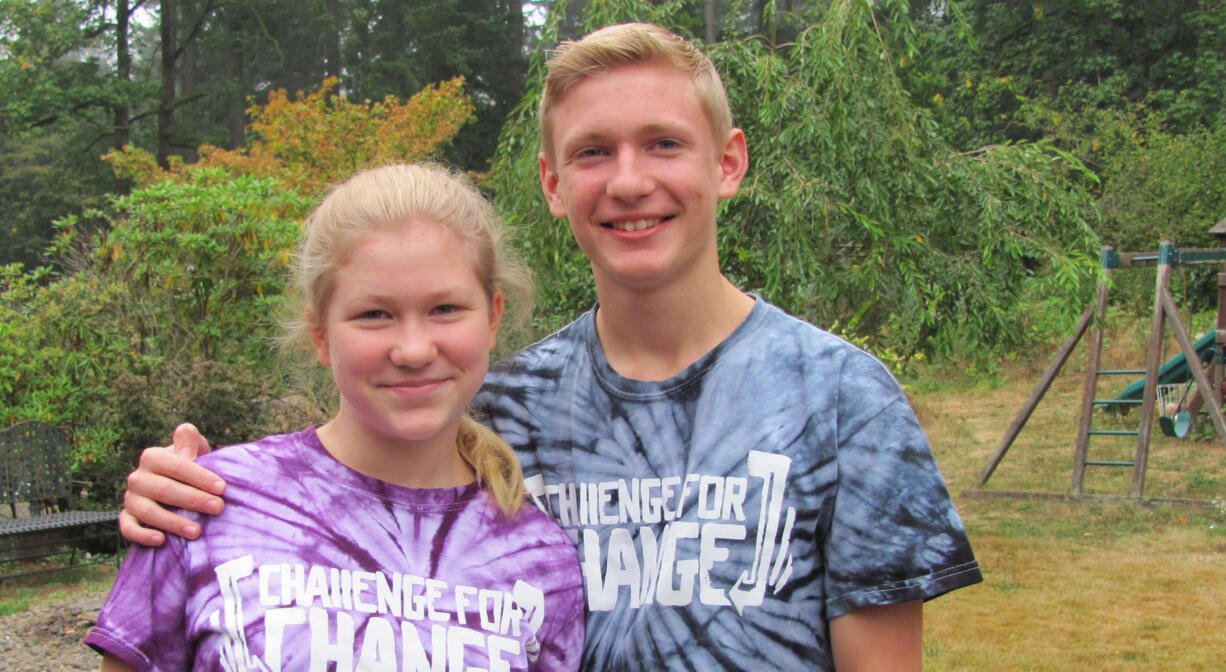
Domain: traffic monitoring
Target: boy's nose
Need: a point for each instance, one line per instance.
(414, 348)
(630, 180)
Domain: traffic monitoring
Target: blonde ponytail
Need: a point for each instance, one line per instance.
(496, 465)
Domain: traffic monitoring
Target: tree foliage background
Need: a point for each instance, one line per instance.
(929, 178)
(857, 211)
(170, 301)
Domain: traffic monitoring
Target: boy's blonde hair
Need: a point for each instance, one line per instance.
(631, 44)
(387, 197)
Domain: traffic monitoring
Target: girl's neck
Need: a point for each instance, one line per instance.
(428, 464)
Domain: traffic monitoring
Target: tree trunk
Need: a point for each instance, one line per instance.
(332, 49)
(187, 87)
(362, 47)
(708, 11)
(516, 11)
(236, 106)
(123, 74)
(166, 103)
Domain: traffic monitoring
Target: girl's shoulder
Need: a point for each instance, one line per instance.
(548, 528)
(240, 459)
(529, 525)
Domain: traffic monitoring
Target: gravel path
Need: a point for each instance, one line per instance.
(47, 637)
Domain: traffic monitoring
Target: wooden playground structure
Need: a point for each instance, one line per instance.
(1155, 390)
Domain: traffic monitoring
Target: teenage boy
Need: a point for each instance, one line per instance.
(746, 490)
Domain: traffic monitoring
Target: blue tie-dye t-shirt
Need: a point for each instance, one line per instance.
(725, 515)
(315, 566)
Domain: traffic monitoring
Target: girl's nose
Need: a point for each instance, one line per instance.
(414, 348)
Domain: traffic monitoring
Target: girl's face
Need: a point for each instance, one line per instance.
(407, 333)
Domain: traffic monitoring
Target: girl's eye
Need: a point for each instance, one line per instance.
(372, 314)
(445, 309)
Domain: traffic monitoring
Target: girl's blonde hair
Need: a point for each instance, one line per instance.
(389, 196)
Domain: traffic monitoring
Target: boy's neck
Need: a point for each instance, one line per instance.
(655, 334)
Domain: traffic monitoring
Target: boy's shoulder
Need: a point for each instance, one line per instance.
(543, 360)
(793, 337)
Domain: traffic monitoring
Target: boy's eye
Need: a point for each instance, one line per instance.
(589, 152)
(668, 143)
(445, 309)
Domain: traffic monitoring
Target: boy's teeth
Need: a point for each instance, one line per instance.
(636, 225)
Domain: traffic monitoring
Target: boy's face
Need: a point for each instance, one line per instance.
(637, 171)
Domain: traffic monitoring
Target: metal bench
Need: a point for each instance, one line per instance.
(34, 470)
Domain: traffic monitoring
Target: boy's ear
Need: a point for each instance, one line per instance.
(495, 319)
(549, 185)
(733, 163)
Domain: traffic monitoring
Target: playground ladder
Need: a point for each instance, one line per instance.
(1085, 429)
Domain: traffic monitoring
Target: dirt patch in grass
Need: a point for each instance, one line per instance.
(42, 625)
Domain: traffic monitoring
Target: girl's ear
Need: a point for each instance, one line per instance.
(495, 318)
(319, 339)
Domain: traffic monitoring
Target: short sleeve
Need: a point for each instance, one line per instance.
(895, 535)
(142, 622)
(561, 633)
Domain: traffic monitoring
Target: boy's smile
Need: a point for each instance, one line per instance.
(638, 174)
(634, 224)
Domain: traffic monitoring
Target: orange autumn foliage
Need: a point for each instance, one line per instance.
(311, 141)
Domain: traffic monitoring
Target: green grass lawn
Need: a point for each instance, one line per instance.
(1074, 584)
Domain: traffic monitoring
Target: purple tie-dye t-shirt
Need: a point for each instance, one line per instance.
(315, 566)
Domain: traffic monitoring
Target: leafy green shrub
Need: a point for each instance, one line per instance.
(229, 401)
(1166, 187)
(169, 317)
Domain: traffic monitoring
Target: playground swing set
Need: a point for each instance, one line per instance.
(1178, 388)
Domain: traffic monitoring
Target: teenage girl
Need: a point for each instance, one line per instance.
(392, 537)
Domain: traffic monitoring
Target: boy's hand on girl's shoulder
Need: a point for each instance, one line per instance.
(169, 476)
